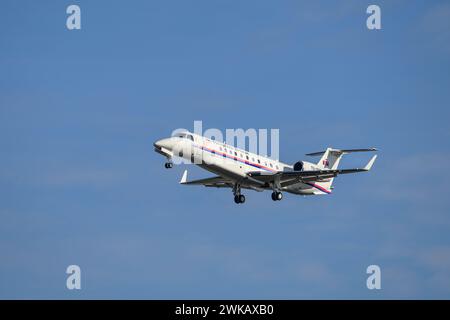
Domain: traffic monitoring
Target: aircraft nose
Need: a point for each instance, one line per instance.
(164, 143)
(157, 144)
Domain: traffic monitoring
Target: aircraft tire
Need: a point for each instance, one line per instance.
(277, 196)
(274, 196)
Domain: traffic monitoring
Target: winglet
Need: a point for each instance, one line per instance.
(370, 163)
(184, 177)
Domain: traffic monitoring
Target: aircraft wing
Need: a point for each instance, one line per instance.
(217, 181)
(257, 180)
(221, 182)
(290, 177)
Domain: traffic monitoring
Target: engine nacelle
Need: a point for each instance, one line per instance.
(304, 166)
(299, 166)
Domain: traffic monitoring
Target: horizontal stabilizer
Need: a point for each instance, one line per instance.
(342, 151)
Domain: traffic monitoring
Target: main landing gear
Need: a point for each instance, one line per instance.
(277, 196)
(238, 197)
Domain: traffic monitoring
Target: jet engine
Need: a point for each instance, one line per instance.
(298, 166)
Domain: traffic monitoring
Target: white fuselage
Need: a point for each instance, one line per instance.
(230, 162)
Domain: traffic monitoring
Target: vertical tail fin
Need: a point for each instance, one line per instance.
(330, 160)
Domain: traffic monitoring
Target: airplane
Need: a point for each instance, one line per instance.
(238, 169)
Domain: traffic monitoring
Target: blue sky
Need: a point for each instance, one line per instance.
(80, 183)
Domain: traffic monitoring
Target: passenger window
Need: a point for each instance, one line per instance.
(259, 161)
(277, 167)
(235, 153)
(246, 157)
(271, 166)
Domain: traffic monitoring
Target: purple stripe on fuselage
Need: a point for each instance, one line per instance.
(212, 151)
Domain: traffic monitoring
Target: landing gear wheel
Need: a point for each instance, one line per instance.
(277, 196)
(239, 198)
(168, 165)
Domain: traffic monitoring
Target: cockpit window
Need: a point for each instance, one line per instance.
(185, 136)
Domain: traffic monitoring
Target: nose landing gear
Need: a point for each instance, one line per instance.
(168, 165)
